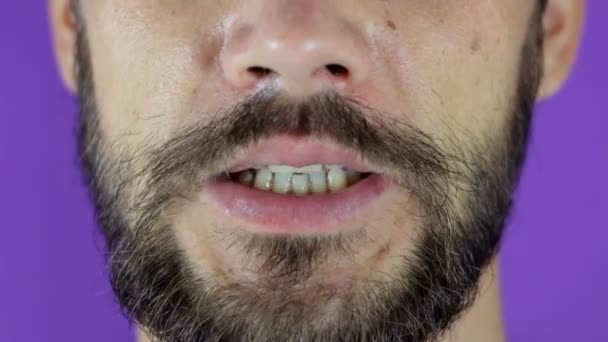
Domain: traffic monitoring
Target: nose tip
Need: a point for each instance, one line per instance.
(298, 59)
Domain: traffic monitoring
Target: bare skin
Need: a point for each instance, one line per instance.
(188, 57)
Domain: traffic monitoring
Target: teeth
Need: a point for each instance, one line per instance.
(299, 184)
(336, 179)
(318, 182)
(263, 179)
(281, 182)
(300, 181)
(246, 177)
(352, 177)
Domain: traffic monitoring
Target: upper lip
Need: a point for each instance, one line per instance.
(299, 152)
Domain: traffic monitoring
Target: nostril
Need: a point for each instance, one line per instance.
(259, 71)
(337, 70)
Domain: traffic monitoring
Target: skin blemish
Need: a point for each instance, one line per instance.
(382, 252)
(211, 53)
(475, 43)
(391, 24)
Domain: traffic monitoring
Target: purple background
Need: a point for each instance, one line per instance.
(53, 285)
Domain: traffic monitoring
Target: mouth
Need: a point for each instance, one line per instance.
(294, 185)
(316, 179)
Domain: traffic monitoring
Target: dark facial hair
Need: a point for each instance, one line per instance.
(153, 279)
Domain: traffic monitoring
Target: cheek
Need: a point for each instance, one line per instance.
(153, 70)
(451, 69)
(464, 83)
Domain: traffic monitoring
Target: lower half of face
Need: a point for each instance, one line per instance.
(349, 182)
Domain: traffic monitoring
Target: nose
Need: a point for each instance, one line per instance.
(300, 47)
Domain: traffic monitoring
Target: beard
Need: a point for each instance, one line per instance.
(136, 193)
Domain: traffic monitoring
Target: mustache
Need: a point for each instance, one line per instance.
(408, 155)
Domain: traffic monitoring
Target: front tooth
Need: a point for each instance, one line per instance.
(299, 184)
(280, 182)
(336, 179)
(263, 179)
(291, 169)
(318, 182)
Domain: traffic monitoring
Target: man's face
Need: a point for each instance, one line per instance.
(306, 170)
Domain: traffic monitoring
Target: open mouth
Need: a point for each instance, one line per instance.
(292, 185)
(314, 179)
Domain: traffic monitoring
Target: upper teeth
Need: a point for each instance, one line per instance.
(285, 179)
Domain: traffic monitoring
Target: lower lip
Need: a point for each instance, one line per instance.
(276, 213)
